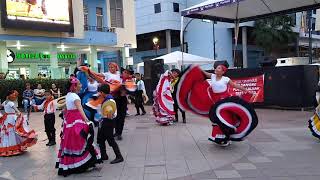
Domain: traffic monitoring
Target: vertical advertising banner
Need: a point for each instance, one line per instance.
(254, 84)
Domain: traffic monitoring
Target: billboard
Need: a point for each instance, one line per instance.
(47, 15)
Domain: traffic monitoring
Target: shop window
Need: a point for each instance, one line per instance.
(157, 8)
(116, 13)
(176, 7)
(99, 15)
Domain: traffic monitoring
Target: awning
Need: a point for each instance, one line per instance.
(246, 10)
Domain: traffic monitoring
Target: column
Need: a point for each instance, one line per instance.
(54, 67)
(33, 71)
(92, 59)
(168, 40)
(244, 47)
(3, 57)
(125, 52)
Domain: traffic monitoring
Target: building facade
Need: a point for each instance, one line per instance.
(40, 38)
(209, 39)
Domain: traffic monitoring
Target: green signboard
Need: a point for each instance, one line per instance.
(60, 56)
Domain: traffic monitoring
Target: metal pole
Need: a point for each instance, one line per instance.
(310, 35)
(214, 40)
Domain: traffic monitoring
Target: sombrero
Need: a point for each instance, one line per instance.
(61, 102)
(108, 107)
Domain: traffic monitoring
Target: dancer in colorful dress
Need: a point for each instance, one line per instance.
(77, 152)
(232, 117)
(15, 136)
(314, 123)
(163, 102)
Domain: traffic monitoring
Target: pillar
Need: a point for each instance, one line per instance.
(3, 57)
(244, 47)
(92, 58)
(33, 71)
(168, 40)
(54, 67)
(125, 55)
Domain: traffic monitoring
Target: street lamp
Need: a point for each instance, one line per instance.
(155, 41)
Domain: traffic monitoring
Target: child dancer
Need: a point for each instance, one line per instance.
(105, 132)
(49, 107)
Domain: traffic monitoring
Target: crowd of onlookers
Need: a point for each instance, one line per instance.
(37, 96)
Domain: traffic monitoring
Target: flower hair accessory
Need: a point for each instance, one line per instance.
(114, 65)
(74, 82)
(224, 68)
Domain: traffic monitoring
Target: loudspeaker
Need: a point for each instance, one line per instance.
(152, 72)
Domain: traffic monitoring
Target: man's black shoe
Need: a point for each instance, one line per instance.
(117, 160)
(119, 137)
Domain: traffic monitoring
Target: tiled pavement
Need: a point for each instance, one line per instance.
(281, 148)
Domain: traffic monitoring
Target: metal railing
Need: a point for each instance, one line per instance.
(99, 29)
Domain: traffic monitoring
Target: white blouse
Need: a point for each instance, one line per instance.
(221, 85)
(93, 87)
(70, 99)
(109, 76)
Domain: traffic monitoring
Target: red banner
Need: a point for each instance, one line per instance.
(254, 84)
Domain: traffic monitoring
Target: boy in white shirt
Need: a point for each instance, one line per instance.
(49, 107)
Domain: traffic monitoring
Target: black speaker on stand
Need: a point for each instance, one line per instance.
(152, 72)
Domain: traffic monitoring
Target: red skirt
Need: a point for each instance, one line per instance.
(233, 117)
(77, 151)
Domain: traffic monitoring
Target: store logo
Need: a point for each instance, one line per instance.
(10, 56)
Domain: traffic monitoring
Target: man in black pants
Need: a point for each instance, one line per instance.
(175, 73)
(105, 131)
(138, 95)
(122, 102)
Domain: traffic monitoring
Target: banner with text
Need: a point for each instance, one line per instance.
(254, 84)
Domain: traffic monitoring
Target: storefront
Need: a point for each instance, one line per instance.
(33, 64)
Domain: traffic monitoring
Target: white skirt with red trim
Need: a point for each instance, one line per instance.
(15, 135)
(163, 102)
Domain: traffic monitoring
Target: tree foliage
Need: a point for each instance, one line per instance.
(275, 33)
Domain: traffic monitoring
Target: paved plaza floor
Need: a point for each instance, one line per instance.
(281, 148)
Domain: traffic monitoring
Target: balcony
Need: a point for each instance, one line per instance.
(99, 29)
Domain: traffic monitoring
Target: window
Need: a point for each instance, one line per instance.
(176, 7)
(116, 13)
(157, 8)
(99, 15)
(86, 13)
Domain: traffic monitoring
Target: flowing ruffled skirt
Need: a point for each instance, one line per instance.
(77, 151)
(15, 135)
(233, 118)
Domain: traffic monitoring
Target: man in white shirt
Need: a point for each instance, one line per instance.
(139, 94)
